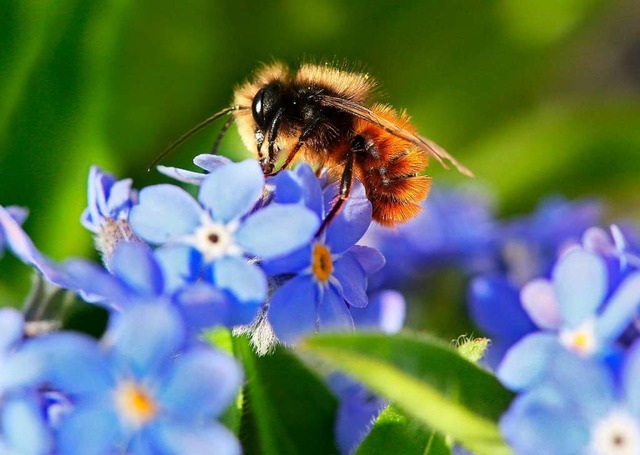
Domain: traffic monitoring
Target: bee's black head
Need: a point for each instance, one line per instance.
(266, 103)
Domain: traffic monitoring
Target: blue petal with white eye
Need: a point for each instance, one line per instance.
(277, 230)
(233, 190)
(165, 212)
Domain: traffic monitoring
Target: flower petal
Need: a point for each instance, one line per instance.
(496, 309)
(135, 265)
(291, 263)
(201, 384)
(292, 310)
(145, 336)
(527, 362)
(210, 162)
(119, 197)
(333, 312)
(277, 230)
(244, 280)
(22, 246)
(95, 284)
(231, 191)
(544, 412)
(631, 379)
(311, 189)
(11, 328)
(70, 362)
(352, 221)
(369, 258)
(539, 301)
(90, 431)
(620, 309)
(23, 429)
(180, 264)
(182, 175)
(183, 440)
(287, 187)
(203, 307)
(165, 212)
(580, 283)
(353, 280)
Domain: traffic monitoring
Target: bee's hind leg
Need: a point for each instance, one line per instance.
(343, 195)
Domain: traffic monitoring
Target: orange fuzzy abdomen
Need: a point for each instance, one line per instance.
(390, 170)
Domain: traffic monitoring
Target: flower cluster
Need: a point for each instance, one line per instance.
(577, 371)
(247, 253)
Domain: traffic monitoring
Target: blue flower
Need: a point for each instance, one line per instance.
(143, 391)
(109, 204)
(456, 227)
(329, 275)
(582, 407)
(109, 200)
(142, 276)
(385, 312)
(576, 310)
(527, 250)
(223, 228)
(22, 428)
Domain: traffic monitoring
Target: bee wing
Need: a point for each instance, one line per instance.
(423, 143)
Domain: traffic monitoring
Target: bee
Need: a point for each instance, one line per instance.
(324, 115)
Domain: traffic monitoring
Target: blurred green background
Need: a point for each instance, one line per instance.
(536, 96)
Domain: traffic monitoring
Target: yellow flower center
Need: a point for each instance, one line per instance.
(321, 265)
(135, 404)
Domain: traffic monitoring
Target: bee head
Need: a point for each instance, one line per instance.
(265, 104)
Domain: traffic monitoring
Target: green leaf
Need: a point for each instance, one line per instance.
(287, 408)
(426, 379)
(394, 432)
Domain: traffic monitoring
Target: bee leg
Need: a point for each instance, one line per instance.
(304, 136)
(345, 192)
(273, 134)
(221, 135)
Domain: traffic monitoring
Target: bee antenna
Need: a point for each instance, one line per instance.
(175, 144)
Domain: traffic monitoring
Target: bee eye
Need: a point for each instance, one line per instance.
(257, 108)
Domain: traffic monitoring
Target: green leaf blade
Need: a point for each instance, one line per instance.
(426, 379)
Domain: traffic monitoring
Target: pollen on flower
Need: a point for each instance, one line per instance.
(135, 404)
(321, 264)
(582, 340)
